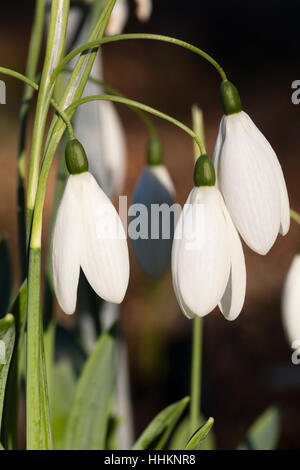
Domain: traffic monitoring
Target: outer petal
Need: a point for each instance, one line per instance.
(65, 250)
(291, 302)
(284, 200)
(248, 181)
(233, 299)
(218, 149)
(103, 252)
(203, 261)
(155, 190)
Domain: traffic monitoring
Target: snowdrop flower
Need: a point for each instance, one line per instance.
(291, 302)
(88, 233)
(118, 18)
(250, 176)
(120, 13)
(143, 9)
(155, 192)
(208, 265)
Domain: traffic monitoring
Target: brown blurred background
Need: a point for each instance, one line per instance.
(247, 364)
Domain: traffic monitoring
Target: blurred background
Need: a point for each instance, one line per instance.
(247, 364)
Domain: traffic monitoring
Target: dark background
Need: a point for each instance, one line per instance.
(247, 364)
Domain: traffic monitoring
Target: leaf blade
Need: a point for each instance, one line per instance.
(7, 339)
(200, 435)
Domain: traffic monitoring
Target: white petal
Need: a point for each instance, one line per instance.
(152, 249)
(291, 302)
(65, 250)
(104, 252)
(217, 149)
(248, 181)
(202, 255)
(233, 299)
(284, 200)
(143, 9)
(118, 18)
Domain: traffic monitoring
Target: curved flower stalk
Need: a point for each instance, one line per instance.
(208, 265)
(291, 301)
(250, 177)
(88, 233)
(120, 14)
(156, 193)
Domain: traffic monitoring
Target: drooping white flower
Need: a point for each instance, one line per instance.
(291, 302)
(208, 265)
(143, 9)
(88, 233)
(156, 193)
(251, 181)
(118, 18)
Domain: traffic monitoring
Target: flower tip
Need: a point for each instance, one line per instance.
(230, 98)
(204, 172)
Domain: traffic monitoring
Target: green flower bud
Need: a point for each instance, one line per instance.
(76, 159)
(230, 98)
(154, 152)
(204, 172)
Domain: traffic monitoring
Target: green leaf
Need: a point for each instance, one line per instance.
(182, 434)
(264, 433)
(158, 431)
(10, 414)
(5, 277)
(1, 446)
(199, 436)
(64, 385)
(7, 339)
(87, 424)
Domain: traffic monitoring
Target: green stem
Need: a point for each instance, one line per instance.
(143, 107)
(196, 375)
(124, 37)
(295, 216)
(32, 62)
(55, 47)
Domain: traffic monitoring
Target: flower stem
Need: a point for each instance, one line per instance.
(124, 37)
(143, 107)
(32, 62)
(295, 216)
(196, 375)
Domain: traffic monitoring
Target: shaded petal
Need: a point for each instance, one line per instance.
(143, 9)
(234, 296)
(248, 181)
(291, 302)
(103, 252)
(203, 261)
(152, 248)
(218, 149)
(118, 18)
(65, 250)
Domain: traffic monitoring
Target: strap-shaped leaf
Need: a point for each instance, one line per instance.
(200, 435)
(64, 385)
(182, 434)
(5, 277)
(1, 446)
(9, 429)
(87, 424)
(158, 431)
(264, 433)
(7, 339)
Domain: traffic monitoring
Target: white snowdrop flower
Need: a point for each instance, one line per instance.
(250, 177)
(153, 201)
(99, 128)
(208, 264)
(88, 233)
(143, 9)
(118, 18)
(291, 302)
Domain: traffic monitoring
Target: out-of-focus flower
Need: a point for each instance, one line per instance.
(291, 301)
(118, 18)
(143, 9)
(156, 195)
(88, 233)
(208, 265)
(250, 177)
